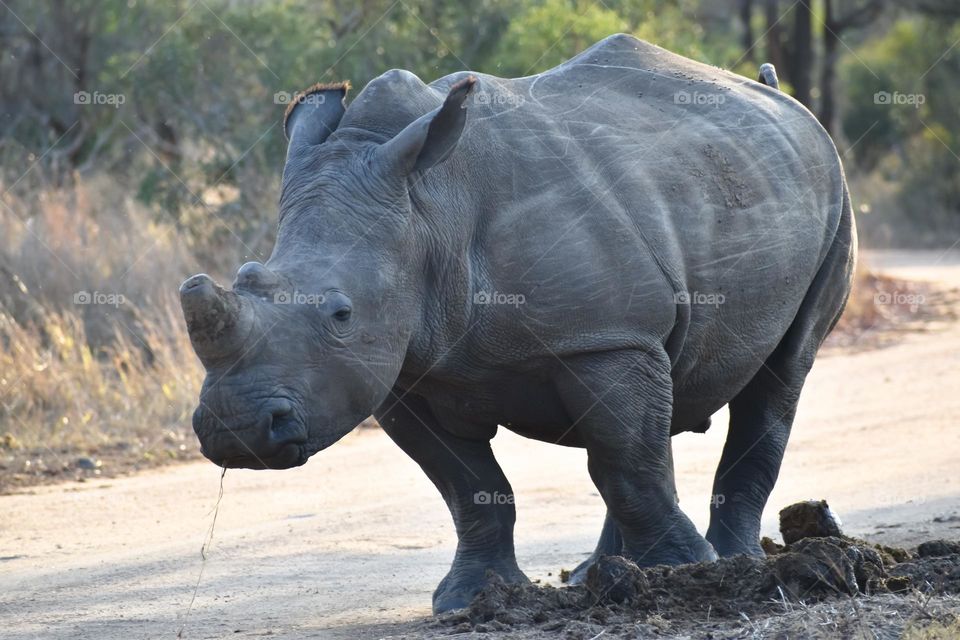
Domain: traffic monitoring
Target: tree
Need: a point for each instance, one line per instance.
(857, 16)
(776, 54)
(545, 34)
(746, 23)
(801, 61)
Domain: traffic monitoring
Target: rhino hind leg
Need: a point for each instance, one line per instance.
(621, 402)
(611, 540)
(475, 489)
(760, 420)
(761, 415)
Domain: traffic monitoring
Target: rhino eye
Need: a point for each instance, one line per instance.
(343, 314)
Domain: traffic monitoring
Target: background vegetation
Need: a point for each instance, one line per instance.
(141, 141)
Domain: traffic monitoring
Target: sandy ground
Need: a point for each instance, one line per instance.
(355, 541)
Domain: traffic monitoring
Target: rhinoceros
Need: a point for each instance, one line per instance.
(599, 256)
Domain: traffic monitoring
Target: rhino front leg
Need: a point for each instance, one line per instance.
(621, 402)
(477, 493)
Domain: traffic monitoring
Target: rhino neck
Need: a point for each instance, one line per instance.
(446, 222)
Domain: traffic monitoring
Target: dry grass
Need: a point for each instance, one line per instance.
(861, 310)
(881, 309)
(949, 630)
(59, 394)
(113, 379)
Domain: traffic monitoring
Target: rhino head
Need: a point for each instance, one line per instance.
(305, 346)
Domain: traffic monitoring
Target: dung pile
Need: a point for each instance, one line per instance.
(809, 570)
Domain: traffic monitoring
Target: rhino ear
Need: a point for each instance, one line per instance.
(314, 114)
(428, 140)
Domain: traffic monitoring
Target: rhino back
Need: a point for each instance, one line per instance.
(605, 190)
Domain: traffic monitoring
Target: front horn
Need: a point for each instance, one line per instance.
(218, 321)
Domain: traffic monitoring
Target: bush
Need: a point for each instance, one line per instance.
(93, 350)
(902, 114)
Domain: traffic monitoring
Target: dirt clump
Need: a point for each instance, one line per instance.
(932, 574)
(810, 519)
(936, 548)
(620, 597)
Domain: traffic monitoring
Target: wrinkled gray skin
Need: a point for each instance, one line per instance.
(681, 237)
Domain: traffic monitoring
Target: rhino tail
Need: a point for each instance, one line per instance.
(768, 76)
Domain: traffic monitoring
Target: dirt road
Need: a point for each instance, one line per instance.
(355, 541)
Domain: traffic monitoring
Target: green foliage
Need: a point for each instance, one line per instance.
(545, 34)
(197, 137)
(903, 114)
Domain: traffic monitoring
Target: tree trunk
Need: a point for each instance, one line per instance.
(746, 14)
(775, 53)
(831, 38)
(801, 54)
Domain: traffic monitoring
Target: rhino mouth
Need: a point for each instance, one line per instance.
(290, 455)
(278, 440)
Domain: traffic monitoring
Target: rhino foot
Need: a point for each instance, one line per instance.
(579, 575)
(697, 553)
(728, 543)
(464, 582)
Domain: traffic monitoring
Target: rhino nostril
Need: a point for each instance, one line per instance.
(284, 427)
(279, 409)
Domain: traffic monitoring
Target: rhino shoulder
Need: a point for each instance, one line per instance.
(623, 49)
(395, 80)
